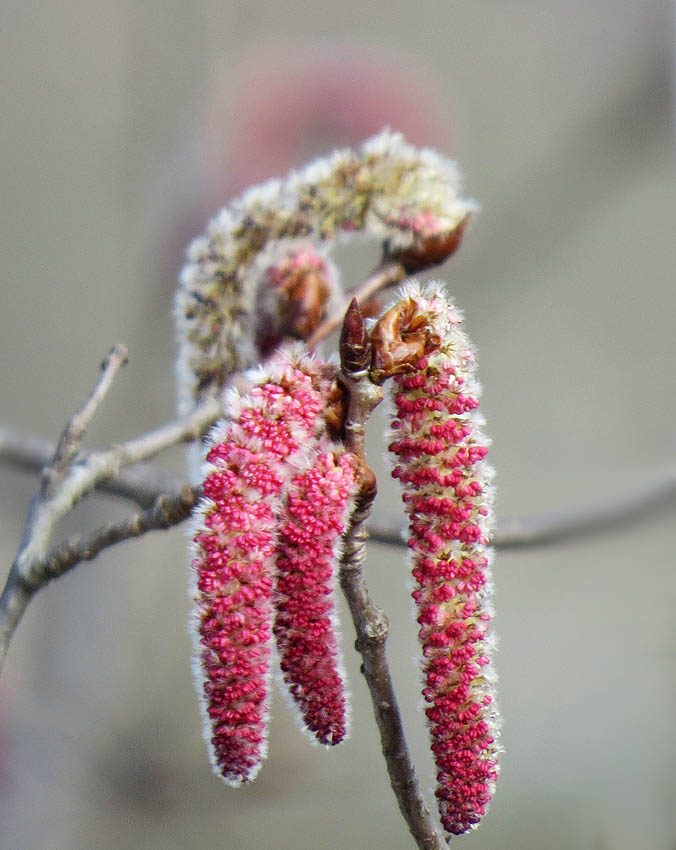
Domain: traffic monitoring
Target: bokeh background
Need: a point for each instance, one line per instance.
(125, 125)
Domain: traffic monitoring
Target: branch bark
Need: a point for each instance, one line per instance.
(166, 512)
(73, 434)
(66, 480)
(372, 628)
(534, 530)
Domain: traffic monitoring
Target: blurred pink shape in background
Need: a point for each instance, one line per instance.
(283, 103)
(288, 101)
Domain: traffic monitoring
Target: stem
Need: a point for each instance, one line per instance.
(66, 481)
(388, 273)
(73, 434)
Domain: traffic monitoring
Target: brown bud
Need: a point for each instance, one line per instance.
(355, 350)
(335, 411)
(399, 339)
(366, 479)
(430, 250)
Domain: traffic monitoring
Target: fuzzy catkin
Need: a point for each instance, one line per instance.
(387, 189)
(251, 458)
(314, 520)
(440, 449)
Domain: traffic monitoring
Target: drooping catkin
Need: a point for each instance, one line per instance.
(407, 197)
(314, 519)
(438, 442)
(252, 456)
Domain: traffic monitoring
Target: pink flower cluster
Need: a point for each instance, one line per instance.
(274, 483)
(440, 451)
(314, 520)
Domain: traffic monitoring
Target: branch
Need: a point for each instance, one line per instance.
(142, 483)
(532, 531)
(166, 512)
(73, 434)
(67, 479)
(388, 273)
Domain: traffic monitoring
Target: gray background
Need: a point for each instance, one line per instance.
(118, 120)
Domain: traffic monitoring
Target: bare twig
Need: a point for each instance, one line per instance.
(141, 483)
(388, 273)
(45, 510)
(73, 434)
(372, 627)
(76, 478)
(166, 512)
(535, 531)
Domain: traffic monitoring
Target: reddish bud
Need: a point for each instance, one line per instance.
(355, 350)
(430, 248)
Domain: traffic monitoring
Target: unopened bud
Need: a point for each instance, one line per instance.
(355, 348)
(431, 246)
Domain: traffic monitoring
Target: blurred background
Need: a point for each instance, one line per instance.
(125, 126)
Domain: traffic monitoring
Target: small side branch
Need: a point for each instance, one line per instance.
(388, 273)
(166, 512)
(73, 434)
(141, 483)
(67, 479)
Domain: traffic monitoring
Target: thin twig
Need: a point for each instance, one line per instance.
(44, 511)
(79, 477)
(388, 273)
(372, 627)
(73, 434)
(141, 483)
(535, 531)
(166, 512)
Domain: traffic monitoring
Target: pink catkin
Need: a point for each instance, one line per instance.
(249, 462)
(448, 494)
(314, 520)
